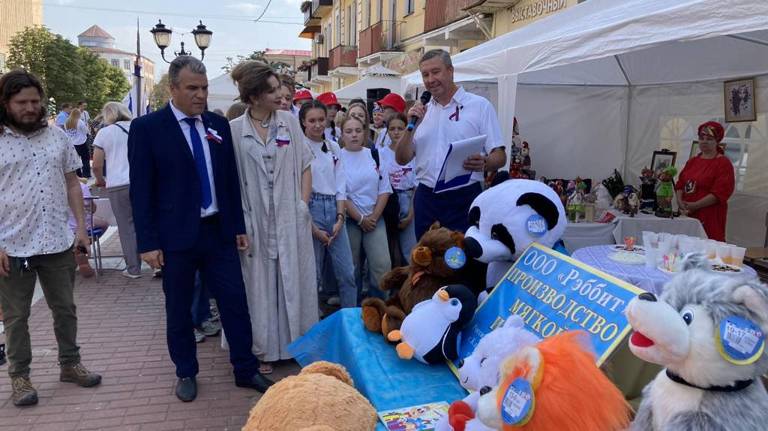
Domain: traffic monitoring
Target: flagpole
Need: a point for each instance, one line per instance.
(137, 72)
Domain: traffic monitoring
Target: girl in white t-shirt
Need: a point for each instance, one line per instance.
(367, 194)
(327, 205)
(402, 178)
(77, 132)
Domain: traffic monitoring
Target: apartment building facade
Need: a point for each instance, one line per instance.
(351, 37)
(15, 16)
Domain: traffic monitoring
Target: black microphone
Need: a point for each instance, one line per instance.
(426, 96)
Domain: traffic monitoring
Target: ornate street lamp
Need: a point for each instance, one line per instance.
(162, 36)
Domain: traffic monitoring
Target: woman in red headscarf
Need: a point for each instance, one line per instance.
(706, 182)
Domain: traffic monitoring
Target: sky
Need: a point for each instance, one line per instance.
(231, 21)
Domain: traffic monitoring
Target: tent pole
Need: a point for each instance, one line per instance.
(625, 169)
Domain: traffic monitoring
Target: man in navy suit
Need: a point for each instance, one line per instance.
(188, 215)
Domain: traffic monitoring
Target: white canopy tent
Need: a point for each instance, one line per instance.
(603, 84)
(222, 92)
(358, 88)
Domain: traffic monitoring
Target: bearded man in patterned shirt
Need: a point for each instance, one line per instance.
(38, 187)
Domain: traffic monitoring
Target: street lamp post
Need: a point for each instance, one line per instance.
(162, 36)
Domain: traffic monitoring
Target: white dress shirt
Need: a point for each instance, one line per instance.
(327, 174)
(180, 116)
(465, 116)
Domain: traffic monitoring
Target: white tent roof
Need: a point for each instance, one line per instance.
(222, 92)
(636, 42)
(358, 88)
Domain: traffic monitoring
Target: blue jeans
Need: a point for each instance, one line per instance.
(407, 236)
(376, 248)
(322, 208)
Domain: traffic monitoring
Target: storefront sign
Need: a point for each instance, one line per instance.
(554, 293)
(536, 9)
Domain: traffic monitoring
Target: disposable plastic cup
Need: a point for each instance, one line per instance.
(737, 255)
(724, 253)
(651, 255)
(711, 245)
(650, 239)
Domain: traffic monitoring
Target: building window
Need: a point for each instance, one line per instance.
(354, 23)
(127, 64)
(367, 12)
(410, 6)
(115, 62)
(338, 28)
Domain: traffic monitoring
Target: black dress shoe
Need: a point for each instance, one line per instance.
(186, 389)
(257, 381)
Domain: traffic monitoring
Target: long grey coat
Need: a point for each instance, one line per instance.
(294, 237)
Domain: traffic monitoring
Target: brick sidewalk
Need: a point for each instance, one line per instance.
(122, 336)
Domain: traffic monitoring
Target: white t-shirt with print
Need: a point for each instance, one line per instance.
(401, 177)
(364, 184)
(327, 172)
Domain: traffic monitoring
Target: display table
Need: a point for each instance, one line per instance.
(649, 279)
(379, 374)
(580, 235)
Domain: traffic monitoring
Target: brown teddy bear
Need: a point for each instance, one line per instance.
(426, 274)
(321, 398)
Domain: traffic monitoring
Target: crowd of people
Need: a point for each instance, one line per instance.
(289, 204)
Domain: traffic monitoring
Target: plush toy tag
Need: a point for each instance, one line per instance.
(518, 403)
(740, 341)
(536, 225)
(455, 258)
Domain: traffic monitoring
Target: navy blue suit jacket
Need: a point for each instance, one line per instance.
(165, 186)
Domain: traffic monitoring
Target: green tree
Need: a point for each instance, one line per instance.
(278, 66)
(68, 73)
(161, 93)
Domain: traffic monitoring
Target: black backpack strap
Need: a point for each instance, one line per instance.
(121, 128)
(375, 155)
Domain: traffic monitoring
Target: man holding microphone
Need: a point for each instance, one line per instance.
(451, 115)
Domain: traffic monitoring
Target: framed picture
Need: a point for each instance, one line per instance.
(695, 148)
(663, 159)
(739, 96)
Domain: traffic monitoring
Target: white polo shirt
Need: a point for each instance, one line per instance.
(467, 115)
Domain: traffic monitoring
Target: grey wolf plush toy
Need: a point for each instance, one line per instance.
(708, 330)
(481, 368)
(430, 333)
(506, 218)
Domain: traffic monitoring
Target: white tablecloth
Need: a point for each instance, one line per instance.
(580, 235)
(649, 279)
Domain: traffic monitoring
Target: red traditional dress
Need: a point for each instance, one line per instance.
(701, 177)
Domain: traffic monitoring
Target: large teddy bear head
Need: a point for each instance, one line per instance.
(707, 329)
(429, 255)
(481, 368)
(322, 397)
(506, 218)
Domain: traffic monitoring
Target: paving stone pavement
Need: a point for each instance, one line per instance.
(122, 336)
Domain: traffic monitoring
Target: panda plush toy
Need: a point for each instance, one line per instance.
(506, 218)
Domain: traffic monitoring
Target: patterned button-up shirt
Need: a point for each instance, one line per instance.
(33, 192)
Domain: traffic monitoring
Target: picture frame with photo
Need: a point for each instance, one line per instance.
(739, 98)
(662, 159)
(695, 148)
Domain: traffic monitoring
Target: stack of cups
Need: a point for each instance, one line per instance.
(651, 244)
(711, 248)
(723, 252)
(650, 239)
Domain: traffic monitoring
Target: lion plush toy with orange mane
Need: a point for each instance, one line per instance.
(553, 386)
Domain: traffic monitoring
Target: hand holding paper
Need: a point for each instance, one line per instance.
(475, 163)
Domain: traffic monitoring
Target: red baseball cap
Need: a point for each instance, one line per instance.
(302, 95)
(394, 101)
(328, 99)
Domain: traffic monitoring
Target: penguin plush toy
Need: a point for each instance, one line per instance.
(430, 333)
(506, 218)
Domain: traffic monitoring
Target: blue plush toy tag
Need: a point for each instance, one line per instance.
(536, 225)
(740, 341)
(455, 258)
(518, 402)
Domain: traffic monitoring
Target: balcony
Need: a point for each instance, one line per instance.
(320, 8)
(343, 56)
(319, 69)
(380, 37)
(493, 6)
(439, 13)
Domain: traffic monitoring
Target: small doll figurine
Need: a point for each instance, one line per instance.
(515, 169)
(561, 192)
(575, 206)
(525, 152)
(647, 191)
(571, 189)
(633, 204)
(666, 192)
(628, 191)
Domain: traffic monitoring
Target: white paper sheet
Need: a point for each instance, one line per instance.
(452, 174)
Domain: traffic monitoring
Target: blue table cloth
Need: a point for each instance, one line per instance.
(379, 374)
(649, 279)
